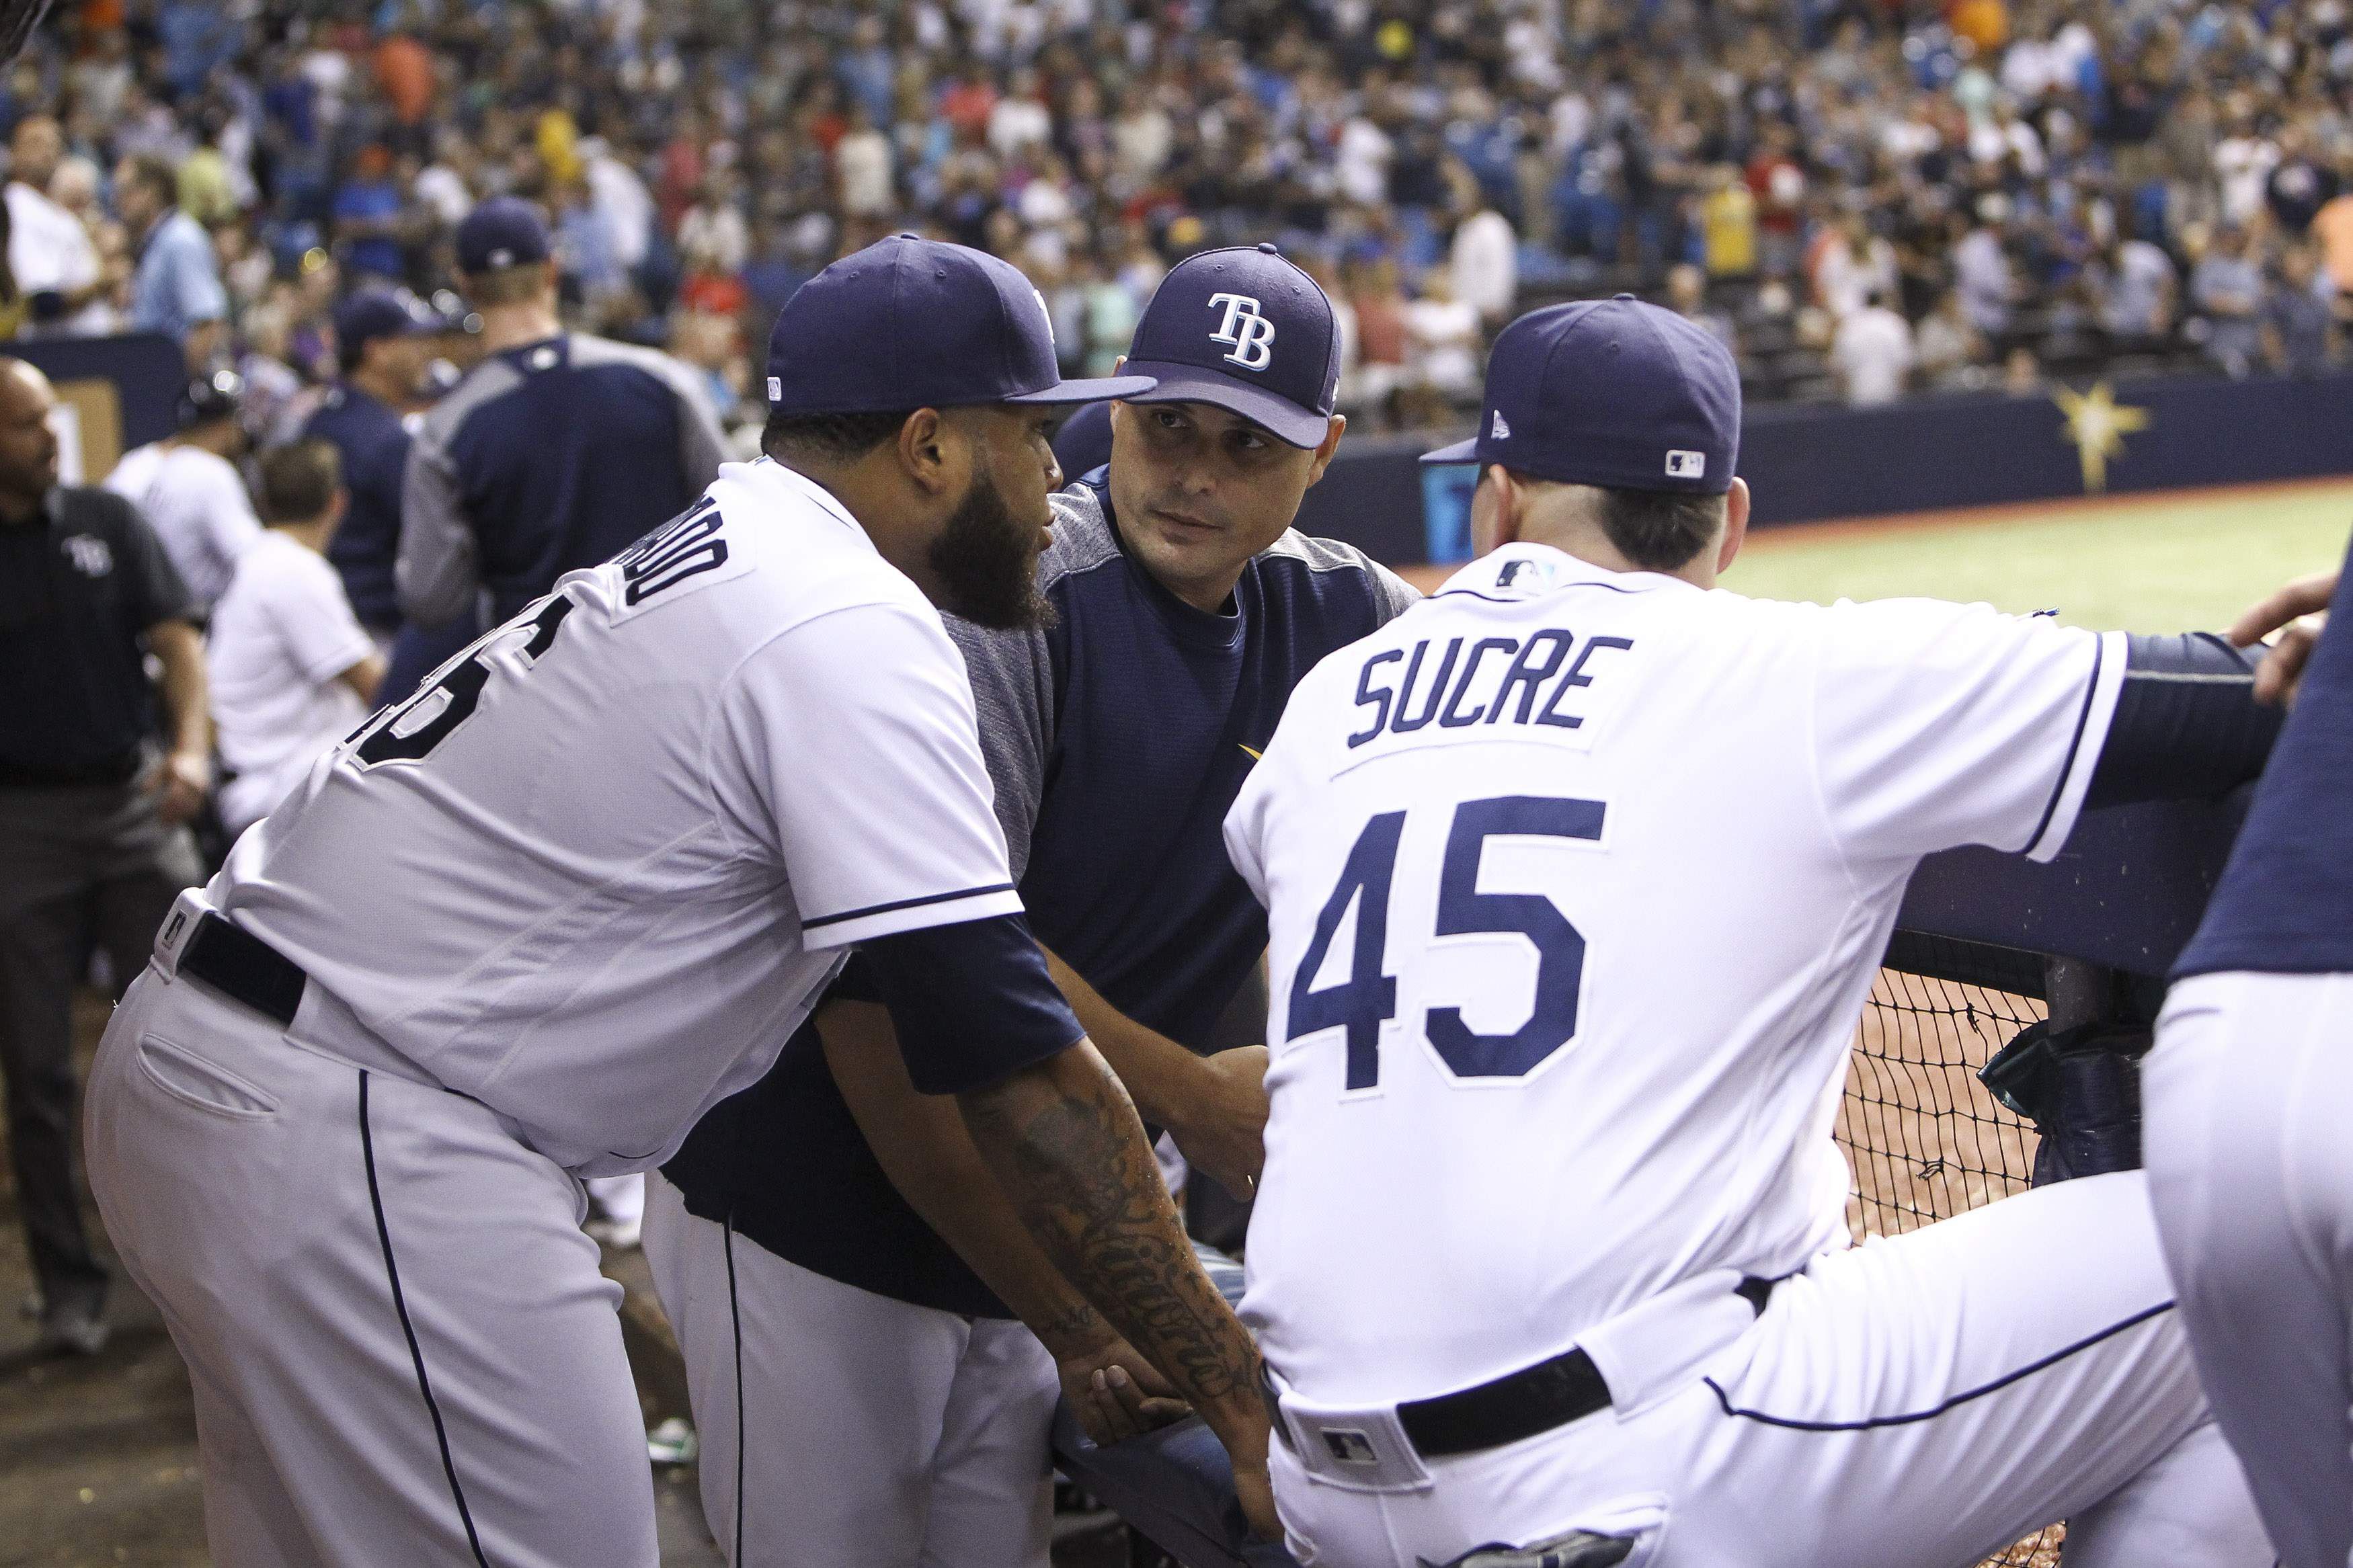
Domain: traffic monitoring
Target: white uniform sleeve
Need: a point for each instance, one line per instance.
(1937, 725)
(854, 740)
(315, 621)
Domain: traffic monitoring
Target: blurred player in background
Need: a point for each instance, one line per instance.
(383, 342)
(188, 488)
(555, 452)
(292, 671)
(893, 1411)
(93, 842)
(2249, 1093)
(1579, 874)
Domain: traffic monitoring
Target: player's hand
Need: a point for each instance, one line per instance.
(1256, 1493)
(1116, 1394)
(1223, 1129)
(2296, 608)
(178, 786)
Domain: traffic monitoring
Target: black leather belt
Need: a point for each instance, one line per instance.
(1552, 1393)
(244, 968)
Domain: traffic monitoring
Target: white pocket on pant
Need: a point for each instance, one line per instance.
(190, 1079)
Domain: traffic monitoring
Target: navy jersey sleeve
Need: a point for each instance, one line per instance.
(971, 1003)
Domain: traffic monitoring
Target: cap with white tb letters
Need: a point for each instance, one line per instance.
(1613, 393)
(1248, 331)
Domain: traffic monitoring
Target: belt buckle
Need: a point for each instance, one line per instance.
(179, 929)
(1359, 1450)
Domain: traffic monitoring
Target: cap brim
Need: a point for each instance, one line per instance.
(1095, 389)
(1464, 452)
(1285, 420)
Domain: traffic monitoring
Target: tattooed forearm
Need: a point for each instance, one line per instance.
(1065, 1143)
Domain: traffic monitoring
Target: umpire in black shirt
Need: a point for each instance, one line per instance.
(93, 833)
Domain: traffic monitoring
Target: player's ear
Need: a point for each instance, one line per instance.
(1326, 448)
(923, 451)
(1735, 525)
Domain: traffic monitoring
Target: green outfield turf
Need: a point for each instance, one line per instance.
(2167, 563)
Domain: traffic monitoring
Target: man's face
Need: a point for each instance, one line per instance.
(985, 556)
(1198, 491)
(134, 200)
(35, 150)
(399, 360)
(28, 447)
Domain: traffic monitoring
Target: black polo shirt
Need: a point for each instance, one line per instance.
(79, 586)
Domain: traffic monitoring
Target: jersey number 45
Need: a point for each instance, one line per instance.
(1366, 999)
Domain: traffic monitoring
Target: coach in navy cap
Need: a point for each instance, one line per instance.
(917, 381)
(1617, 418)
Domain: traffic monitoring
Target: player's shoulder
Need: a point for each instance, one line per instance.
(805, 555)
(1083, 536)
(1331, 573)
(497, 376)
(589, 353)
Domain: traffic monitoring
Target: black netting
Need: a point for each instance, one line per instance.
(1924, 1139)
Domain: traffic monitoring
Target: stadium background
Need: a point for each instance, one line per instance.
(2100, 227)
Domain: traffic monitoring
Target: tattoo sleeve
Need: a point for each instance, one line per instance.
(1063, 1141)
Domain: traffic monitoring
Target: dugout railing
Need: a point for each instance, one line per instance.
(1987, 946)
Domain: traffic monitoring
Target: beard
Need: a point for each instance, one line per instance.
(987, 560)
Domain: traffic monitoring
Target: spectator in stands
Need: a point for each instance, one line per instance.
(188, 489)
(368, 219)
(1687, 298)
(92, 812)
(1851, 266)
(1442, 350)
(1873, 352)
(1981, 269)
(2228, 289)
(1949, 348)
(2299, 324)
(176, 290)
(383, 342)
(2137, 291)
(2332, 225)
(1483, 259)
(291, 669)
(50, 255)
(1379, 304)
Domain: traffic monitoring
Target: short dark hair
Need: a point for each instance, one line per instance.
(828, 437)
(156, 173)
(1659, 530)
(299, 481)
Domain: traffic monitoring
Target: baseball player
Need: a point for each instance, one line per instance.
(291, 669)
(861, 1394)
(188, 488)
(530, 925)
(383, 342)
(552, 454)
(1577, 875)
(2245, 1097)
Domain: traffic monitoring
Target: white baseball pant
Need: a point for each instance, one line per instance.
(1918, 1402)
(401, 1347)
(840, 1426)
(2246, 1104)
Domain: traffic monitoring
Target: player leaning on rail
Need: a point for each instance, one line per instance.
(534, 923)
(1577, 875)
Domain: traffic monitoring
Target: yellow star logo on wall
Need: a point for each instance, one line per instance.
(2096, 426)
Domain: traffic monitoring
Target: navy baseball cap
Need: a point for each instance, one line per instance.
(1248, 331)
(1613, 393)
(373, 313)
(218, 396)
(505, 231)
(917, 323)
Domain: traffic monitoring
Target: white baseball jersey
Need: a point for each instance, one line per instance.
(196, 501)
(1576, 883)
(281, 640)
(597, 872)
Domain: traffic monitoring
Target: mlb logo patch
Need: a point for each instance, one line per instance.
(1682, 465)
(1350, 1447)
(1500, 430)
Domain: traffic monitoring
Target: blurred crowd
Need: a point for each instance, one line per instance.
(1863, 197)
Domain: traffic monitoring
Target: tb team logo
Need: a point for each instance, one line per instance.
(1251, 334)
